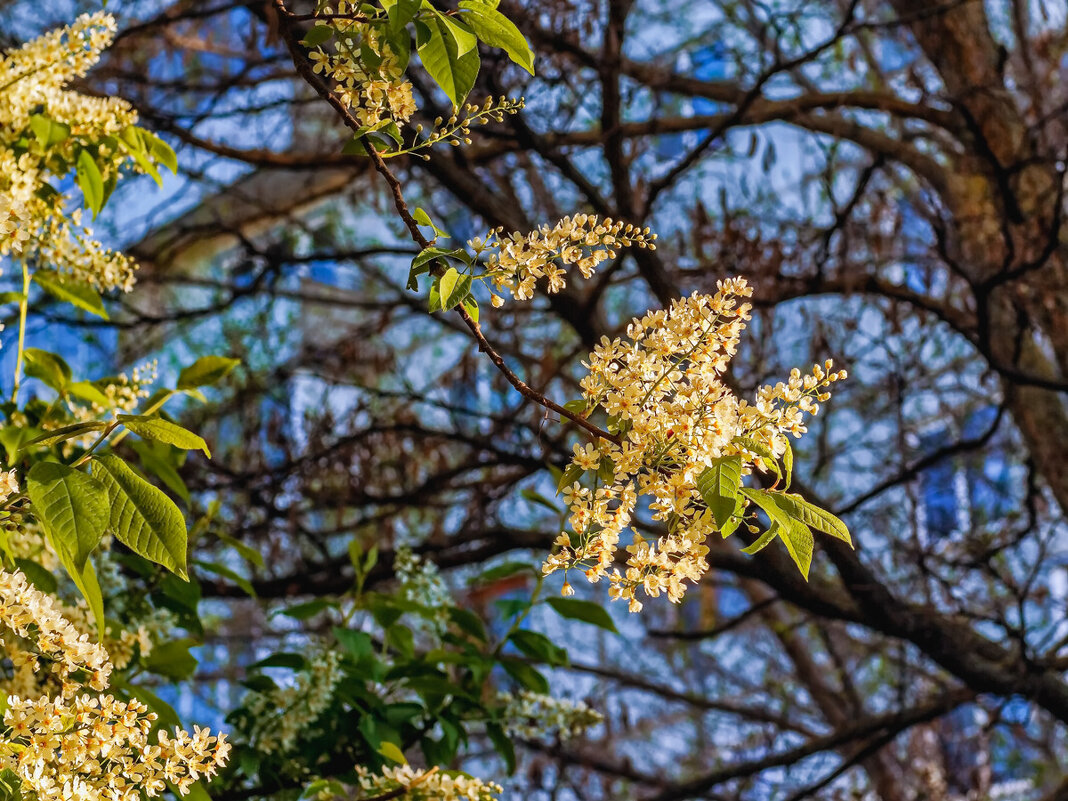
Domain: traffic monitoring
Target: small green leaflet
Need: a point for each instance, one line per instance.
(206, 370)
(719, 485)
(90, 181)
(317, 35)
(585, 611)
(142, 517)
(47, 131)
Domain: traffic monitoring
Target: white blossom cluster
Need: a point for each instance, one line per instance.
(283, 714)
(517, 261)
(34, 226)
(662, 391)
(415, 784)
(530, 714)
(422, 583)
(375, 93)
(87, 747)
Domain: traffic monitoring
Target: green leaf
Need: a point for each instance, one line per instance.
(788, 463)
(71, 505)
(526, 675)
(462, 36)
(799, 542)
(496, 30)
(586, 611)
(206, 370)
(39, 577)
(47, 131)
(392, 753)
(47, 367)
(453, 72)
(142, 517)
(160, 151)
(433, 301)
(538, 646)
(86, 582)
(763, 541)
(467, 621)
(812, 515)
(505, 570)
(132, 140)
(761, 450)
(11, 297)
(794, 533)
(160, 430)
(502, 743)
(308, 609)
(282, 660)
(469, 304)
(172, 659)
(402, 12)
(155, 461)
(225, 572)
(453, 288)
(719, 485)
(91, 182)
(569, 477)
(88, 392)
(317, 35)
(65, 433)
(77, 293)
(423, 218)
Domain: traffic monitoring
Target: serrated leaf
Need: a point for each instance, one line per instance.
(812, 515)
(206, 370)
(222, 570)
(585, 611)
(453, 72)
(496, 30)
(90, 181)
(132, 141)
(526, 675)
(462, 36)
(142, 517)
(72, 507)
(788, 463)
(719, 485)
(799, 542)
(157, 464)
(160, 430)
(77, 293)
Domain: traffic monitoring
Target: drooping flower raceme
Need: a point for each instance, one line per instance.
(530, 714)
(87, 747)
(673, 417)
(516, 261)
(414, 784)
(284, 713)
(44, 130)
